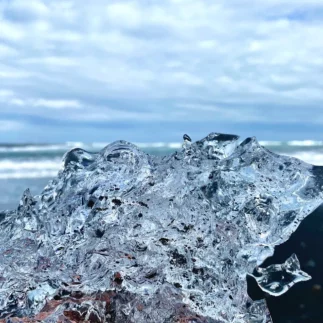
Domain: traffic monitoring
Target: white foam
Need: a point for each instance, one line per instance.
(42, 148)
(75, 144)
(31, 174)
(298, 143)
(271, 143)
(33, 148)
(99, 145)
(165, 145)
(29, 168)
(11, 165)
(310, 157)
(174, 145)
(305, 143)
(95, 146)
(48, 167)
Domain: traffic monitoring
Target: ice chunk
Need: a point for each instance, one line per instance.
(37, 296)
(258, 313)
(158, 238)
(278, 279)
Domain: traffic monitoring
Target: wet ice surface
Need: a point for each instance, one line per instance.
(278, 279)
(171, 236)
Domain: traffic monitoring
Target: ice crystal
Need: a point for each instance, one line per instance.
(277, 279)
(157, 238)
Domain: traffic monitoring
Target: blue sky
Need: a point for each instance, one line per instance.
(151, 70)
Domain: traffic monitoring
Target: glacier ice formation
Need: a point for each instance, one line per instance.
(123, 236)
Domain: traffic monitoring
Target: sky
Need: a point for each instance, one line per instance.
(152, 70)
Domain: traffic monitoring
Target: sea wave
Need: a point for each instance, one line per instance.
(8, 164)
(45, 167)
(309, 157)
(292, 143)
(95, 146)
(31, 174)
(32, 148)
(305, 143)
(271, 143)
(29, 168)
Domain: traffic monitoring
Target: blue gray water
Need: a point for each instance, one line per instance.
(31, 166)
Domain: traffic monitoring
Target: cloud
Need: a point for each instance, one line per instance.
(10, 98)
(56, 104)
(9, 125)
(174, 60)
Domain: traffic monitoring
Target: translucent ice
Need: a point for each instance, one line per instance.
(278, 279)
(128, 237)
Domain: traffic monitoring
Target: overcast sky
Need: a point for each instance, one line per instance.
(151, 70)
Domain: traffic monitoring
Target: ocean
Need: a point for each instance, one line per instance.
(32, 166)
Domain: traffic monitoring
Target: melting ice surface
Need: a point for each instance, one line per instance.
(277, 279)
(167, 233)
